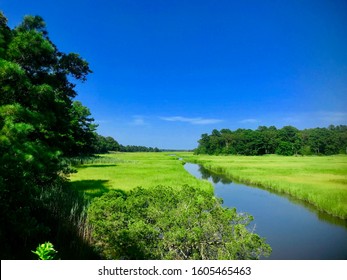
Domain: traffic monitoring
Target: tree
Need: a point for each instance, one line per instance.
(35, 75)
(216, 142)
(203, 147)
(82, 137)
(289, 141)
(105, 144)
(268, 139)
(166, 223)
(228, 139)
(39, 121)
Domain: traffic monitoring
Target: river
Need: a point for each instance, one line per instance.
(294, 230)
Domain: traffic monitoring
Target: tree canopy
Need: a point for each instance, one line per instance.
(270, 140)
(104, 144)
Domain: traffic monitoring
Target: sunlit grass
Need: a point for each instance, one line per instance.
(126, 171)
(321, 181)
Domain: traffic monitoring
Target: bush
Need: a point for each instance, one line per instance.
(166, 223)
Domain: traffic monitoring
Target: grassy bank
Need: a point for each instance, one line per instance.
(321, 181)
(125, 171)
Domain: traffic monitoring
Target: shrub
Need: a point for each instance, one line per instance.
(166, 223)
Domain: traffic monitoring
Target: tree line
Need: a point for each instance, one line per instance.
(133, 148)
(103, 145)
(270, 140)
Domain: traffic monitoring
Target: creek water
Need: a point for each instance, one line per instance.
(294, 230)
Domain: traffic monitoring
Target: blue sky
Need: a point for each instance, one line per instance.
(167, 71)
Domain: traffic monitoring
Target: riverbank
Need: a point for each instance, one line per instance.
(320, 181)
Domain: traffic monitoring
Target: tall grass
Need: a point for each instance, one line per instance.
(125, 171)
(320, 181)
(65, 212)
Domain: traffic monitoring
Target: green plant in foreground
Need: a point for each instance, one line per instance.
(45, 251)
(174, 224)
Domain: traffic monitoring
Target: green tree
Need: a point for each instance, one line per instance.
(228, 139)
(289, 141)
(267, 138)
(203, 147)
(105, 144)
(38, 122)
(81, 137)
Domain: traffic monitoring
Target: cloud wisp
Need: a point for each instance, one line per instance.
(195, 121)
(316, 119)
(333, 117)
(138, 121)
(250, 121)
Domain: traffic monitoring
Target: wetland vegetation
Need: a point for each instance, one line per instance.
(125, 171)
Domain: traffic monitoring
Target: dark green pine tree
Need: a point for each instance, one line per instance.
(39, 124)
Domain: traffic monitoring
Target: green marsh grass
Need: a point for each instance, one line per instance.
(125, 171)
(320, 181)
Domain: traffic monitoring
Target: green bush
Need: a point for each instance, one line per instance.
(166, 223)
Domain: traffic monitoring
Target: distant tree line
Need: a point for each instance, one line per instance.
(103, 145)
(132, 148)
(270, 140)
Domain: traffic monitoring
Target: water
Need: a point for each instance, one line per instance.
(294, 230)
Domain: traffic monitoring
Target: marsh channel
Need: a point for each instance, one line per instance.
(295, 230)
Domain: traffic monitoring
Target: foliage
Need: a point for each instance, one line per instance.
(82, 138)
(163, 223)
(46, 251)
(40, 123)
(103, 145)
(270, 140)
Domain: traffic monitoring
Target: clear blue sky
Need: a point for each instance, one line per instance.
(167, 71)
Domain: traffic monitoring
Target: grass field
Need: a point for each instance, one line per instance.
(125, 171)
(321, 181)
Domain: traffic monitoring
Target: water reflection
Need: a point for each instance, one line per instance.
(206, 175)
